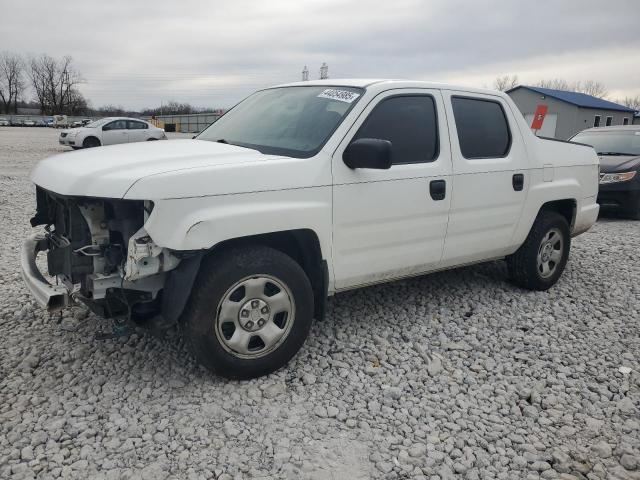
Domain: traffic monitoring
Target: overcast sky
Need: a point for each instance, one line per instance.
(214, 53)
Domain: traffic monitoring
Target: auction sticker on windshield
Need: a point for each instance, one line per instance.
(340, 95)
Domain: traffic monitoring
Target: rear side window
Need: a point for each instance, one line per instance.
(483, 131)
(409, 123)
(133, 125)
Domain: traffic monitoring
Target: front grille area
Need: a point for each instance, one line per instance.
(70, 233)
(73, 247)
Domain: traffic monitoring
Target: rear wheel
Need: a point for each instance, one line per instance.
(539, 262)
(90, 142)
(249, 313)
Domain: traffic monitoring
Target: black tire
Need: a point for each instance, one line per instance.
(76, 148)
(634, 212)
(218, 275)
(523, 264)
(90, 142)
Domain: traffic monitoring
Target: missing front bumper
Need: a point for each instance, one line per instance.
(51, 297)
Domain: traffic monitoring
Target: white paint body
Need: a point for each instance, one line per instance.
(113, 131)
(372, 225)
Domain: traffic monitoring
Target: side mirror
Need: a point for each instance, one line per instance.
(106, 128)
(368, 153)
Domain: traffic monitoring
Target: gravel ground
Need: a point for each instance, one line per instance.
(452, 375)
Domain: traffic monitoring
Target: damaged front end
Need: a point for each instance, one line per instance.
(99, 253)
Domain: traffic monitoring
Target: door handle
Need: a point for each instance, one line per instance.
(518, 182)
(438, 189)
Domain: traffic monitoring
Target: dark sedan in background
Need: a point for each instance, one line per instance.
(619, 151)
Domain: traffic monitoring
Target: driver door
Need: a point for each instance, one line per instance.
(115, 132)
(392, 223)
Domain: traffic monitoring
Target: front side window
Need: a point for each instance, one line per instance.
(116, 125)
(409, 123)
(292, 121)
(134, 125)
(596, 121)
(483, 130)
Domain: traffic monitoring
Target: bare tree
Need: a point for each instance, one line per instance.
(55, 84)
(506, 82)
(590, 87)
(632, 102)
(554, 83)
(11, 81)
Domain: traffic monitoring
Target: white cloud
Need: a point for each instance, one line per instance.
(214, 53)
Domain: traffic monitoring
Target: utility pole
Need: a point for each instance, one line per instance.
(324, 71)
(305, 74)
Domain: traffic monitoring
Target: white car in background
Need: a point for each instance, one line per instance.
(110, 131)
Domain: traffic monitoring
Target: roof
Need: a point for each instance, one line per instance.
(384, 83)
(614, 128)
(578, 99)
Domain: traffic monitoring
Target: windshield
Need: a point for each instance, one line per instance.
(611, 143)
(292, 121)
(97, 123)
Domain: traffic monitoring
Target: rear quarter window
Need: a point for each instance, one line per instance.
(483, 130)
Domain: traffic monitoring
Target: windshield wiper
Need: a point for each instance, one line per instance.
(617, 154)
(222, 140)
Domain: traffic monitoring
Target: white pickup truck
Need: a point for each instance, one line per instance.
(299, 192)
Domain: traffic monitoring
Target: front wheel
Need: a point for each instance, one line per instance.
(539, 262)
(249, 313)
(90, 142)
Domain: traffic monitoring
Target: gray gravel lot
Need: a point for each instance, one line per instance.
(452, 375)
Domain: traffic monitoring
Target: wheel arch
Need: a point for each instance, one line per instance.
(302, 245)
(567, 207)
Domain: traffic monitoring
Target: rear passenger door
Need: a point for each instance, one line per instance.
(490, 177)
(392, 223)
(138, 131)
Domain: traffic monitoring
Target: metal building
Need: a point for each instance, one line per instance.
(192, 123)
(568, 112)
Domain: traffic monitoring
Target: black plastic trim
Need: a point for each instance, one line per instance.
(438, 189)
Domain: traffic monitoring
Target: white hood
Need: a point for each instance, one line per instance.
(111, 171)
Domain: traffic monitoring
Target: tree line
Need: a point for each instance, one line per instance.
(53, 85)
